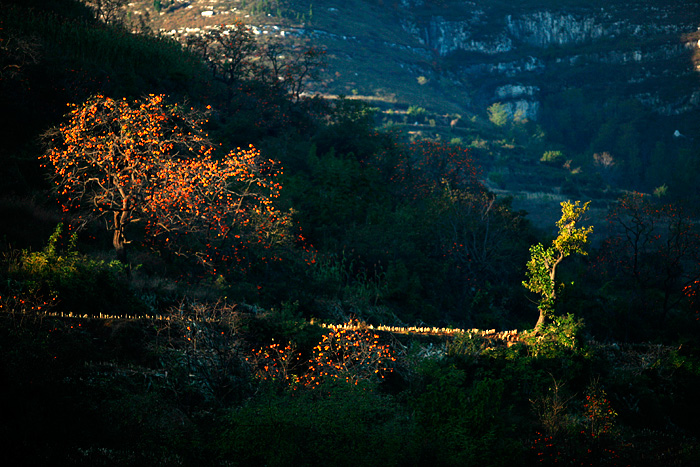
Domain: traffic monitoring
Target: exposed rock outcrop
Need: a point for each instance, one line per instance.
(632, 43)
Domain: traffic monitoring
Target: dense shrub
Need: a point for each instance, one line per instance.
(68, 281)
(340, 424)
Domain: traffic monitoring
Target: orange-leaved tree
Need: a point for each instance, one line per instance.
(352, 355)
(145, 160)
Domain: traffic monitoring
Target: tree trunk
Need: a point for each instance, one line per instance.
(540, 321)
(547, 304)
(119, 238)
(119, 245)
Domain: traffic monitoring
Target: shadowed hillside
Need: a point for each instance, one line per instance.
(362, 233)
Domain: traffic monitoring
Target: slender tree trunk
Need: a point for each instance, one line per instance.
(540, 321)
(119, 238)
(119, 242)
(549, 301)
(119, 245)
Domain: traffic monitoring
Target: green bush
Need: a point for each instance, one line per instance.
(466, 344)
(498, 114)
(498, 178)
(336, 424)
(462, 423)
(552, 157)
(69, 281)
(416, 112)
(561, 336)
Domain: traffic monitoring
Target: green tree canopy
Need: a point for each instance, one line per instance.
(498, 115)
(541, 269)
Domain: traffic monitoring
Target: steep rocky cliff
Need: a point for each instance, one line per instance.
(644, 49)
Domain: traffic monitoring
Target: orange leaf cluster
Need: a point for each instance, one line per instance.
(350, 355)
(275, 363)
(150, 161)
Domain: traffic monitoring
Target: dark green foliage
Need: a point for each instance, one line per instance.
(60, 279)
(59, 54)
(340, 192)
(462, 422)
(645, 271)
(390, 233)
(645, 152)
(350, 130)
(98, 403)
(336, 423)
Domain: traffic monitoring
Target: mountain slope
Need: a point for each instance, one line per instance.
(619, 77)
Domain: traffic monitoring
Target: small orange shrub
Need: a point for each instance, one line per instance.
(275, 363)
(350, 355)
(344, 354)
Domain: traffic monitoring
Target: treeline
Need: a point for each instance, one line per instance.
(644, 150)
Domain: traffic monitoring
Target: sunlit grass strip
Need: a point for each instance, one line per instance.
(505, 335)
(421, 330)
(354, 326)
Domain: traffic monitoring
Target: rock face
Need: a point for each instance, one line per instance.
(449, 36)
(503, 50)
(477, 52)
(546, 28)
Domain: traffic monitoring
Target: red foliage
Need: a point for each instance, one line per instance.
(350, 355)
(422, 166)
(151, 162)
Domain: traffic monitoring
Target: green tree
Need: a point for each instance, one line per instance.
(552, 157)
(542, 267)
(498, 115)
(417, 112)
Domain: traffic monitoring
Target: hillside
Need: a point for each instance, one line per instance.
(618, 78)
(377, 207)
(475, 55)
(202, 264)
